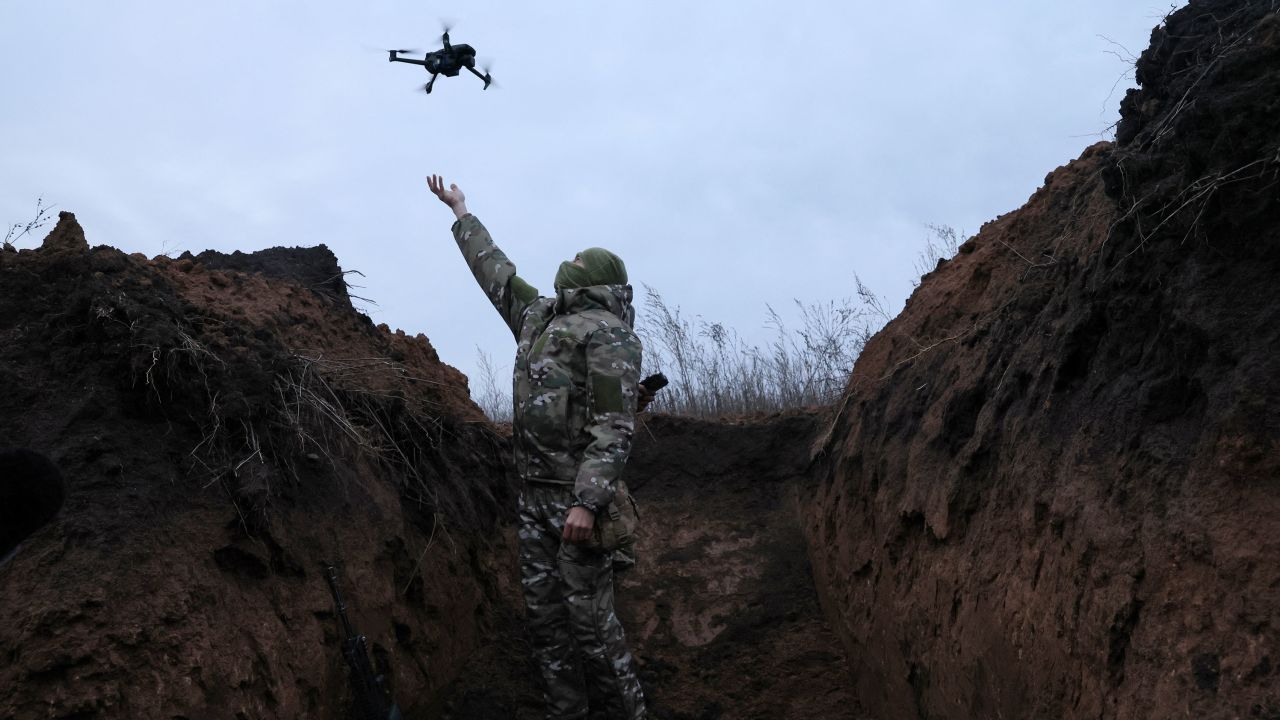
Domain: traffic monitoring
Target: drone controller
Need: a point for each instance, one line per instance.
(654, 382)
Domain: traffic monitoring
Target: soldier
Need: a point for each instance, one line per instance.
(576, 384)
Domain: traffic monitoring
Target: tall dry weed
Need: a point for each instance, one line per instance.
(714, 372)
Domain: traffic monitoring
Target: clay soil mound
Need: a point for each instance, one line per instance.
(190, 441)
(1051, 487)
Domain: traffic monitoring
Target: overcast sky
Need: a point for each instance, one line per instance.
(734, 153)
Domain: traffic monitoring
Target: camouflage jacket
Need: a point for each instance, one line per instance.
(576, 376)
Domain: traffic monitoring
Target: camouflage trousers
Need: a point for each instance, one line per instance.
(578, 642)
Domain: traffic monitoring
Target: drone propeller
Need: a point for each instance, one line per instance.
(402, 51)
(487, 76)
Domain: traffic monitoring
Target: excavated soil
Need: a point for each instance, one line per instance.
(193, 440)
(220, 435)
(1051, 487)
(721, 608)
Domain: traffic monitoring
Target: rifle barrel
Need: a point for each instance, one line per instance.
(342, 607)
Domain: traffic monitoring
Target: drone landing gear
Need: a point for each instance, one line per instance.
(488, 79)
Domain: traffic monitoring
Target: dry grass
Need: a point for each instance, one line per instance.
(493, 396)
(714, 372)
(18, 231)
(941, 244)
(322, 414)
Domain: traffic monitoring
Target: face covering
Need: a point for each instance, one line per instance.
(599, 267)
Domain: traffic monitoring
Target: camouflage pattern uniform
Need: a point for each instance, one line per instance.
(576, 376)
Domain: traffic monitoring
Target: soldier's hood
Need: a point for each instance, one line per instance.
(613, 298)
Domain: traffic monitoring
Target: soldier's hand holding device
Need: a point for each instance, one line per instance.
(649, 388)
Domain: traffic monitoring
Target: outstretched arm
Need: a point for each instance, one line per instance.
(495, 273)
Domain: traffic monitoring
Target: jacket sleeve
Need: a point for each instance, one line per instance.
(496, 274)
(613, 376)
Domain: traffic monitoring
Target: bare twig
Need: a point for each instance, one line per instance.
(17, 231)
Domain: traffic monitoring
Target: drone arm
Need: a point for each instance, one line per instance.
(394, 58)
(485, 77)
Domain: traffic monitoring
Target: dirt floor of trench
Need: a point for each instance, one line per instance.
(721, 611)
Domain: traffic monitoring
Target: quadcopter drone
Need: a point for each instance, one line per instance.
(448, 62)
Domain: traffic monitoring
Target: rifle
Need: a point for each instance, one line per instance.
(369, 696)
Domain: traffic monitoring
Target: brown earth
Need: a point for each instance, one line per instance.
(226, 425)
(1051, 487)
(222, 434)
(721, 608)
(720, 611)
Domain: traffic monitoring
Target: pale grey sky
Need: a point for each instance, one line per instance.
(734, 153)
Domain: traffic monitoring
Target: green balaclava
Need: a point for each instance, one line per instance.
(599, 267)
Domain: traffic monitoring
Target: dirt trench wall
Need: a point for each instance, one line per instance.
(720, 612)
(721, 608)
(1051, 488)
(221, 434)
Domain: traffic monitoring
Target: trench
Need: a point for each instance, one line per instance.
(721, 611)
(147, 569)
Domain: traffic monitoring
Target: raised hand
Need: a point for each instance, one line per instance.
(452, 197)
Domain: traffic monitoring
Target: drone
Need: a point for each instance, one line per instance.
(448, 62)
